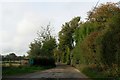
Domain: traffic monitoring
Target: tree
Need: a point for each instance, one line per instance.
(83, 30)
(68, 55)
(49, 46)
(57, 55)
(35, 49)
(42, 47)
(66, 36)
(11, 56)
(103, 12)
(110, 42)
(80, 34)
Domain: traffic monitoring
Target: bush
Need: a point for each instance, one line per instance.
(44, 61)
(81, 49)
(89, 51)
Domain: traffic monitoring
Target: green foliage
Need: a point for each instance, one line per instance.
(93, 73)
(68, 55)
(35, 49)
(46, 49)
(84, 30)
(103, 12)
(43, 46)
(81, 50)
(110, 45)
(98, 41)
(49, 46)
(77, 57)
(57, 55)
(66, 37)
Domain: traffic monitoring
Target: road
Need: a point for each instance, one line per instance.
(60, 71)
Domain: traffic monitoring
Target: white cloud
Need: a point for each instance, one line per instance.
(27, 29)
(25, 32)
(31, 23)
(4, 36)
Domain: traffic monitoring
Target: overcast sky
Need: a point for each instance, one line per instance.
(20, 20)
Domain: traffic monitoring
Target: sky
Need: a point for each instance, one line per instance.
(21, 19)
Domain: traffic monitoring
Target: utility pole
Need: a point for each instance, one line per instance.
(94, 7)
(96, 4)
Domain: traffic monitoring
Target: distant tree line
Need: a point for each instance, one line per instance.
(12, 59)
(12, 56)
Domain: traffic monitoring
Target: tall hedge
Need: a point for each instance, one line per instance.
(111, 42)
(44, 61)
(79, 52)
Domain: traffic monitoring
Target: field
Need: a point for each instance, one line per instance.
(16, 68)
(11, 63)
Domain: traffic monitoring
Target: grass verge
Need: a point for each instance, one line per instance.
(6, 71)
(94, 74)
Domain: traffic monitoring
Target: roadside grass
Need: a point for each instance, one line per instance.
(94, 74)
(6, 71)
(91, 73)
